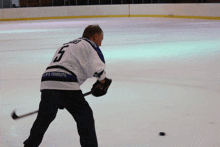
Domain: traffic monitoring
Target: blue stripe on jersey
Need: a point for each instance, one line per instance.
(58, 76)
(96, 47)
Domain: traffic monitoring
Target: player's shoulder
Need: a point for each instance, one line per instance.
(93, 44)
(80, 41)
(76, 41)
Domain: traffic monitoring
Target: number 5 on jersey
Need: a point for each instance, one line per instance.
(61, 52)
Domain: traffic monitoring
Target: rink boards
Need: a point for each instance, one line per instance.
(194, 11)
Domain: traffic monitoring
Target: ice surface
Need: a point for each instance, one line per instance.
(165, 79)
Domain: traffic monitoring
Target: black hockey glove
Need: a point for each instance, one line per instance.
(100, 89)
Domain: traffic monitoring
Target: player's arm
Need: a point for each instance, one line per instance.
(98, 66)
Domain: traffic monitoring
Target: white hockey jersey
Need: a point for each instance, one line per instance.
(72, 64)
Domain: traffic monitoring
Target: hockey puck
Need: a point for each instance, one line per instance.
(162, 134)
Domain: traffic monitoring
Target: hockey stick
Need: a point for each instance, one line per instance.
(15, 116)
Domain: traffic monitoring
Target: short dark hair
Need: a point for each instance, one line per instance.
(91, 30)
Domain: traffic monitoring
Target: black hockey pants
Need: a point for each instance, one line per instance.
(75, 104)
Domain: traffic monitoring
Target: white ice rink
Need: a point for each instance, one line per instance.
(166, 78)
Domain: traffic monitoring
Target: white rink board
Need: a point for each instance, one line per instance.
(99, 10)
(65, 11)
(177, 9)
(212, 10)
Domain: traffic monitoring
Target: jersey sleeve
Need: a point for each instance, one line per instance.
(92, 60)
(97, 65)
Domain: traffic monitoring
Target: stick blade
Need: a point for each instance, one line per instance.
(14, 115)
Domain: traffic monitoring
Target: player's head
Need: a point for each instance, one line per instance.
(94, 33)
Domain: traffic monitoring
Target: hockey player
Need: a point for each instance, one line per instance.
(71, 65)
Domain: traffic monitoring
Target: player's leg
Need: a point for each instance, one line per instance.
(79, 108)
(47, 112)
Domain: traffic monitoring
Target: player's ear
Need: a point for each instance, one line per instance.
(96, 35)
